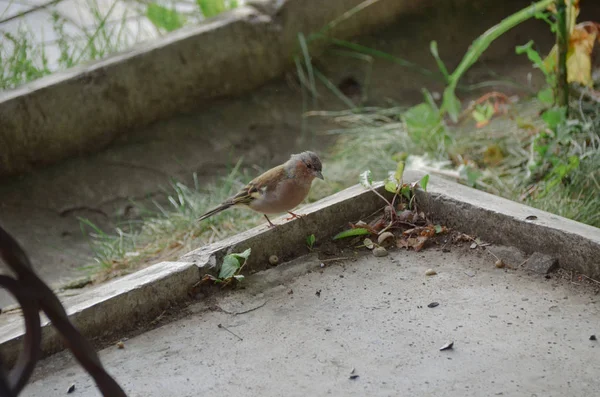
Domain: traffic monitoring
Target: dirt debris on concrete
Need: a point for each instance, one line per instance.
(513, 332)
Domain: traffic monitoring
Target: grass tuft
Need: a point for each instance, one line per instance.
(166, 231)
(25, 56)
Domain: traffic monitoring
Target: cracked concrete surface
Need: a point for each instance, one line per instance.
(515, 333)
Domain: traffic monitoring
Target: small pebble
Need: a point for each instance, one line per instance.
(433, 304)
(593, 337)
(273, 260)
(499, 264)
(430, 272)
(380, 251)
(120, 345)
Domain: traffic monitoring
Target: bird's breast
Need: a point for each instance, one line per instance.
(287, 195)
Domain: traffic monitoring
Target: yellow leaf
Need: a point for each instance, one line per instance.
(579, 56)
(581, 45)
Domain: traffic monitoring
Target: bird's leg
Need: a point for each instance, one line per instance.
(268, 220)
(293, 216)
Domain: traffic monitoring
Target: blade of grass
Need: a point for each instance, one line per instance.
(339, 94)
(309, 67)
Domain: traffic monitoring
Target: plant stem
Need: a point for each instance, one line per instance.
(562, 46)
(483, 42)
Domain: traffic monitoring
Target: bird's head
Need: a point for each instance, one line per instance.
(306, 165)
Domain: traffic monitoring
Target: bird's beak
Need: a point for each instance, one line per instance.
(319, 175)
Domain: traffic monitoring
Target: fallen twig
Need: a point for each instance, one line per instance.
(158, 318)
(251, 310)
(244, 312)
(231, 332)
(341, 258)
(591, 279)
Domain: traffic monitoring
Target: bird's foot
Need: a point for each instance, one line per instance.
(293, 216)
(270, 224)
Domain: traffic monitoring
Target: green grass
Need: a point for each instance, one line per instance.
(377, 138)
(167, 230)
(24, 57)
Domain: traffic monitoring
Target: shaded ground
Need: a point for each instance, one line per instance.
(514, 334)
(42, 209)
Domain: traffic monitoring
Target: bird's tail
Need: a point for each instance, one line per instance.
(215, 211)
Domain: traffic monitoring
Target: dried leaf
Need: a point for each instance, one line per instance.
(579, 56)
(417, 243)
(409, 232)
(406, 216)
(428, 231)
(447, 346)
(402, 243)
(368, 243)
(462, 238)
(383, 237)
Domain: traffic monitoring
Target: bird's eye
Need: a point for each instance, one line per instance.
(309, 166)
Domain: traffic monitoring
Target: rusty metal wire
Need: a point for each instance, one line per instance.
(33, 294)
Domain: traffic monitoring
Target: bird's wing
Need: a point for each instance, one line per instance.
(259, 186)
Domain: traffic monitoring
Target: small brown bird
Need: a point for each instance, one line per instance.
(280, 189)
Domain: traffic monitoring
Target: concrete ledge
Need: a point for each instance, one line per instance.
(501, 221)
(110, 308)
(85, 108)
(122, 304)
